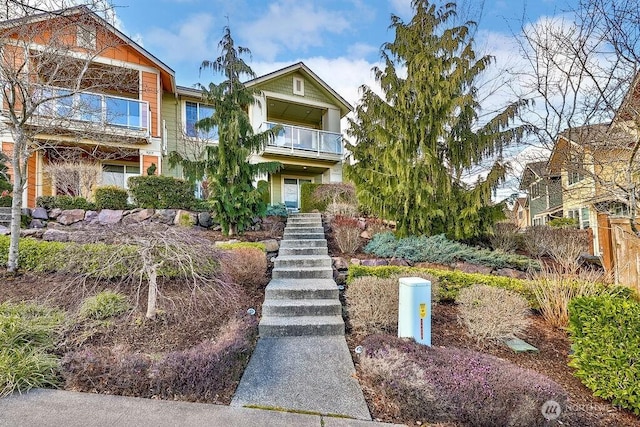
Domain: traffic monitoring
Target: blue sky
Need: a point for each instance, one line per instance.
(338, 39)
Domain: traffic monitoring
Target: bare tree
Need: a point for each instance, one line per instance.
(55, 89)
(582, 72)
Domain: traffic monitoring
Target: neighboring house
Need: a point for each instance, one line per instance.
(593, 162)
(544, 193)
(520, 212)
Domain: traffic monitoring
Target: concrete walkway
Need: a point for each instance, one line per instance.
(302, 361)
(54, 408)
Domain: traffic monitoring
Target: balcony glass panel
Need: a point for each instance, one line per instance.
(305, 139)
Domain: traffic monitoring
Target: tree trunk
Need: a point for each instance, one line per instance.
(16, 209)
(152, 296)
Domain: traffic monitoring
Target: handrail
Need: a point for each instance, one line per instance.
(305, 139)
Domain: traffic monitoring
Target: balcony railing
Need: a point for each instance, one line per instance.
(106, 110)
(305, 139)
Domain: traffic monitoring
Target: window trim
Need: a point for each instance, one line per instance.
(86, 36)
(297, 81)
(213, 134)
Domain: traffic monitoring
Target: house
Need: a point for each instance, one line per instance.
(520, 212)
(310, 145)
(544, 193)
(126, 112)
(593, 162)
(96, 96)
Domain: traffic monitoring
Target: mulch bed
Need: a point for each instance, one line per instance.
(553, 344)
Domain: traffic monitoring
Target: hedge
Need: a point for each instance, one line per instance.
(307, 202)
(450, 281)
(605, 335)
(64, 202)
(161, 192)
(111, 197)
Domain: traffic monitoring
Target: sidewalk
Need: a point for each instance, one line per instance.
(57, 408)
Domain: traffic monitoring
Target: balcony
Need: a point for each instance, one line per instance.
(119, 114)
(304, 142)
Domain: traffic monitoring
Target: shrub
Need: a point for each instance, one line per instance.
(277, 210)
(605, 335)
(307, 202)
(486, 319)
(563, 223)
(454, 385)
(247, 266)
(449, 282)
(70, 202)
(6, 201)
(263, 188)
(372, 302)
(238, 245)
(27, 336)
(341, 209)
(537, 240)
(111, 197)
(104, 305)
(47, 202)
(441, 250)
(566, 245)
(161, 192)
(200, 373)
(347, 234)
(506, 236)
(334, 193)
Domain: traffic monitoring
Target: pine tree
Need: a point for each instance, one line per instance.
(226, 164)
(414, 143)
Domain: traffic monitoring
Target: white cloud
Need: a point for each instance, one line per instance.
(401, 8)
(361, 50)
(291, 25)
(188, 40)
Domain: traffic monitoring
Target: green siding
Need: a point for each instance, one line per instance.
(276, 188)
(284, 85)
(171, 114)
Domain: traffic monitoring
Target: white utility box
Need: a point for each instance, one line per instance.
(414, 309)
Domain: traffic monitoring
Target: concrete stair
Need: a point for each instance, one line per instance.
(302, 297)
(5, 216)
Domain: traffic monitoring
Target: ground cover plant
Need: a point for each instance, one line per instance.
(439, 249)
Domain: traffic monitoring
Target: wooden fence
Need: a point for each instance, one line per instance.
(625, 253)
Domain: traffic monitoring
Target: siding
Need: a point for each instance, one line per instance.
(555, 193)
(146, 163)
(170, 114)
(150, 94)
(284, 85)
(31, 180)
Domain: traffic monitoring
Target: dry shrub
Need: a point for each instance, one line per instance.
(566, 245)
(75, 178)
(554, 290)
(347, 234)
(335, 192)
(376, 226)
(492, 313)
(335, 209)
(372, 303)
(537, 240)
(438, 384)
(505, 236)
(246, 267)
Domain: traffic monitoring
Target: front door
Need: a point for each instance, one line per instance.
(292, 192)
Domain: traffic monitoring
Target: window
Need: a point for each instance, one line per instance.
(538, 221)
(86, 37)
(575, 177)
(298, 86)
(537, 189)
(581, 216)
(194, 112)
(118, 175)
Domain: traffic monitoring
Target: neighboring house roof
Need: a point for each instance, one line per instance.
(532, 172)
(345, 107)
(630, 106)
(168, 74)
(521, 202)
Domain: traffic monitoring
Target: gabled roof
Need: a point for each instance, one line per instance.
(533, 172)
(630, 105)
(520, 202)
(345, 107)
(168, 72)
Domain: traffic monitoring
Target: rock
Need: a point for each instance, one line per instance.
(185, 218)
(510, 272)
(53, 235)
(32, 232)
(256, 220)
(39, 213)
(355, 261)
(131, 211)
(70, 216)
(271, 245)
(374, 262)
(399, 262)
(432, 265)
(138, 216)
(4, 231)
(164, 216)
(109, 216)
(465, 267)
(362, 224)
(55, 213)
(204, 219)
(340, 263)
(25, 211)
(366, 235)
(339, 277)
(37, 223)
(90, 216)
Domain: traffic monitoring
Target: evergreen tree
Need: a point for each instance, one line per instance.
(226, 164)
(414, 143)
